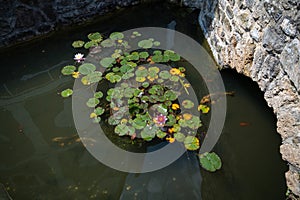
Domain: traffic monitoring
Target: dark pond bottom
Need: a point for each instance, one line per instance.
(42, 158)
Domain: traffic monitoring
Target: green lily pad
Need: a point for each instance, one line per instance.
(90, 44)
(98, 95)
(123, 129)
(149, 132)
(86, 68)
(170, 95)
(187, 104)
(107, 62)
(92, 102)
(210, 161)
(66, 93)
(141, 72)
(138, 123)
(97, 120)
(108, 43)
(157, 58)
(191, 143)
(68, 70)
(174, 78)
(99, 111)
(97, 37)
(112, 121)
(161, 134)
(94, 77)
(164, 74)
(146, 44)
(156, 43)
(203, 108)
(116, 36)
(78, 44)
(144, 54)
(180, 137)
(127, 75)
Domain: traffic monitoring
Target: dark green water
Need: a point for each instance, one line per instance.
(35, 164)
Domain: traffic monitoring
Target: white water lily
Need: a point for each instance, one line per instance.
(79, 57)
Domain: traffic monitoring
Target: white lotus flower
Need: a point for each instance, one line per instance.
(78, 57)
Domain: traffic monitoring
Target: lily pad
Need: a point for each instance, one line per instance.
(116, 36)
(203, 108)
(123, 129)
(144, 54)
(191, 143)
(146, 44)
(98, 95)
(161, 134)
(187, 104)
(78, 44)
(99, 111)
(170, 95)
(92, 102)
(94, 77)
(97, 37)
(107, 62)
(164, 74)
(210, 161)
(149, 132)
(86, 68)
(156, 43)
(66, 93)
(68, 70)
(90, 44)
(108, 43)
(180, 137)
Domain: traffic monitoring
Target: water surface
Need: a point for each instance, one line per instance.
(42, 158)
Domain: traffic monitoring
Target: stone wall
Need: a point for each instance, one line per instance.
(260, 39)
(24, 19)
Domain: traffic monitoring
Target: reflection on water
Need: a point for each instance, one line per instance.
(42, 158)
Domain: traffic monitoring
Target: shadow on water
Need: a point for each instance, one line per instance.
(42, 158)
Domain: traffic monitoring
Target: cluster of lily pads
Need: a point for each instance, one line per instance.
(143, 100)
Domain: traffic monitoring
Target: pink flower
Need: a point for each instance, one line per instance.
(78, 57)
(160, 119)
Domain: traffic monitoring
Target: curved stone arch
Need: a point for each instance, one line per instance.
(261, 40)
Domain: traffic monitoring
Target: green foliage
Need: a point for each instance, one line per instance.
(145, 104)
(68, 70)
(86, 68)
(78, 44)
(66, 93)
(210, 161)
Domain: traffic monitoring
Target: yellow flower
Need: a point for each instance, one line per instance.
(171, 130)
(75, 74)
(170, 139)
(152, 78)
(175, 106)
(175, 71)
(120, 41)
(187, 116)
(93, 115)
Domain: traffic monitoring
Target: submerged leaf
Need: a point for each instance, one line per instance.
(107, 61)
(146, 44)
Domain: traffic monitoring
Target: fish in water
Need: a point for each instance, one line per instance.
(244, 124)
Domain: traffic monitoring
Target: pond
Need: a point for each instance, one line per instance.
(43, 158)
